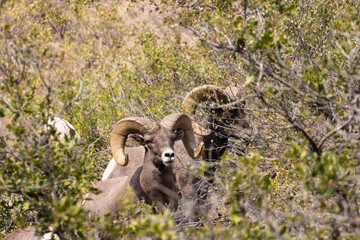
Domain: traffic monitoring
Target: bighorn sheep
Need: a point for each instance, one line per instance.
(153, 180)
(63, 127)
(227, 119)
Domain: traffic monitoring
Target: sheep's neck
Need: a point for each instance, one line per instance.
(158, 181)
(214, 146)
(158, 170)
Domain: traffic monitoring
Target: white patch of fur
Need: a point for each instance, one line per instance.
(49, 236)
(168, 161)
(62, 126)
(109, 169)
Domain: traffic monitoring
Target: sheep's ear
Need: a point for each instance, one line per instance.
(138, 138)
(179, 134)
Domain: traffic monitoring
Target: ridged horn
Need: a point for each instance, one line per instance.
(233, 92)
(198, 128)
(202, 94)
(180, 121)
(199, 95)
(120, 133)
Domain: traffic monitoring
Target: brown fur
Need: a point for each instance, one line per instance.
(22, 234)
(153, 181)
(3, 126)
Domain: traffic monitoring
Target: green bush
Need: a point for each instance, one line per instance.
(93, 63)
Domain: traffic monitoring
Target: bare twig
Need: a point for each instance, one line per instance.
(22, 118)
(335, 130)
(73, 100)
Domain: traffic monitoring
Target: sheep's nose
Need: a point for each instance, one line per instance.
(168, 156)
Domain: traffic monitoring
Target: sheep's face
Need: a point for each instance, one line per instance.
(229, 122)
(159, 144)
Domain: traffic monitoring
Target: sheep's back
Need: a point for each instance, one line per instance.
(136, 159)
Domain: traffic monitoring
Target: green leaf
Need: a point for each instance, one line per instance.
(7, 27)
(237, 21)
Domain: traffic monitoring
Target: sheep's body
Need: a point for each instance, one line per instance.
(112, 190)
(144, 188)
(114, 170)
(153, 180)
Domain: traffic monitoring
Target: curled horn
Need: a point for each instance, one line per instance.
(202, 94)
(199, 95)
(180, 121)
(120, 133)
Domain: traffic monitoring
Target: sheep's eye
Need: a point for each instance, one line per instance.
(173, 138)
